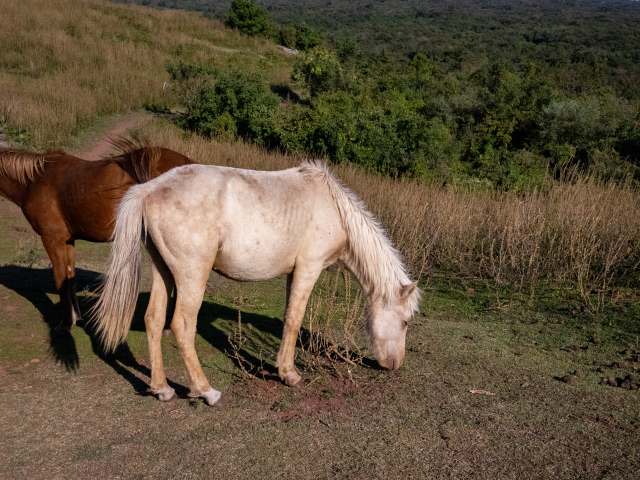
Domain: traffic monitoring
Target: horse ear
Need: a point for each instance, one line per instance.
(407, 290)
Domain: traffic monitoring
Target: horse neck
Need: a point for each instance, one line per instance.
(382, 283)
(13, 190)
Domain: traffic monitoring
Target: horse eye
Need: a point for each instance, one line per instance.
(406, 323)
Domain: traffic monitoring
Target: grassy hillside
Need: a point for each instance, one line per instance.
(64, 64)
(69, 411)
(466, 33)
(498, 92)
(522, 363)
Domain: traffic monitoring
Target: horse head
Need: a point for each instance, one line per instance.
(387, 322)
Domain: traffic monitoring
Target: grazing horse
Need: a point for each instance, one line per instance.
(248, 226)
(65, 199)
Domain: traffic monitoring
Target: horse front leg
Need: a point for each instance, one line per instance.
(154, 320)
(56, 249)
(70, 251)
(299, 286)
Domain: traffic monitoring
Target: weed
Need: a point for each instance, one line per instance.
(333, 324)
(578, 231)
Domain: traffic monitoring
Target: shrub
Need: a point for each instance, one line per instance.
(238, 104)
(248, 17)
(307, 38)
(319, 69)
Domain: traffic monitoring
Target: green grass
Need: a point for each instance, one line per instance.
(76, 413)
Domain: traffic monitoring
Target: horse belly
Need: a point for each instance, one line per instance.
(254, 258)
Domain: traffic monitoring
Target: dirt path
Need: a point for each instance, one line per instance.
(100, 146)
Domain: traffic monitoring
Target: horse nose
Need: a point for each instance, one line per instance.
(390, 363)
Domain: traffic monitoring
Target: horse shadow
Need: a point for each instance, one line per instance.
(35, 285)
(266, 329)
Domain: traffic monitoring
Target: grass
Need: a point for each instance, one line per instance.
(76, 412)
(558, 296)
(65, 64)
(577, 231)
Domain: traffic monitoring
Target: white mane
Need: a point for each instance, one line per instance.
(375, 261)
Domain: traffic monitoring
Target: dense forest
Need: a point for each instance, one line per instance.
(489, 92)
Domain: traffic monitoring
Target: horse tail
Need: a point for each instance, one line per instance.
(120, 284)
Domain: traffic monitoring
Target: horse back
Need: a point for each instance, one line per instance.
(260, 223)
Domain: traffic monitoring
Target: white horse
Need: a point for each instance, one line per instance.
(248, 225)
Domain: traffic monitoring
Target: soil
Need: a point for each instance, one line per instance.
(101, 146)
(286, 404)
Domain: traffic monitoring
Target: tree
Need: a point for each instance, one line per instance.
(248, 17)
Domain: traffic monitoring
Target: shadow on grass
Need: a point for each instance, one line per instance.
(265, 328)
(288, 95)
(35, 284)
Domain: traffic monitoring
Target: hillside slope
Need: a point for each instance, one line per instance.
(65, 63)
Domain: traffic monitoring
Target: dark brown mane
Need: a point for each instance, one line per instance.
(21, 165)
(136, 157)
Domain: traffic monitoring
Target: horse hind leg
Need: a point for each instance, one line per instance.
(190, 290)
(154, 320)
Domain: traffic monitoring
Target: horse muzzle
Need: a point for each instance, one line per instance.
(391, 363)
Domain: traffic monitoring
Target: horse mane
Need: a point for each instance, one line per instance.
(137, 157)
(21, 165)
(377, 263)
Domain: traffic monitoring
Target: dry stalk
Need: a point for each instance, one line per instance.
(576, 231)
(333, 324)
(236, 340)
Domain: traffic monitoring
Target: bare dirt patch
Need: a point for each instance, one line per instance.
(336, 396)
(101, 146)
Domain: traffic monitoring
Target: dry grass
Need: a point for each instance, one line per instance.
(64, 63)
(579, 231)
(333, 323)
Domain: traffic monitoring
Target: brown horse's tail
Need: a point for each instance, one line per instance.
(121, 282)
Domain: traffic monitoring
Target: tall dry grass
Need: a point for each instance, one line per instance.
(579, 230)
(64, 63)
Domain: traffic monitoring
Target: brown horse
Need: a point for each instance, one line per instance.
(65, 199)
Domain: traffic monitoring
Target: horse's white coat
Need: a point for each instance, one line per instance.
(251, 225)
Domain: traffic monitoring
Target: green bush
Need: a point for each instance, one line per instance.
(307, 37)
(238, 104)
(248, 17)
(319, 69)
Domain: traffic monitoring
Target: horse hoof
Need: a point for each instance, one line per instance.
(165, 394)
(299, 385)
(62, 329)
(214, 397)
(223, 402)
(166, 332)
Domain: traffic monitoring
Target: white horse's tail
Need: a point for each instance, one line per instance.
(121, 282)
